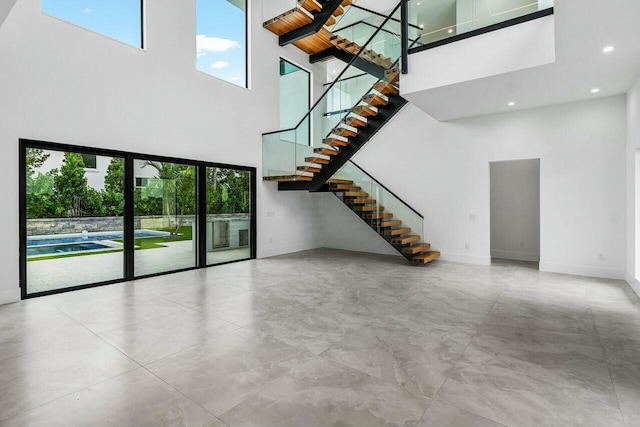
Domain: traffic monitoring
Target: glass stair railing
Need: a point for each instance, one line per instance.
(437, 22)
(394, 220)
(345, 117)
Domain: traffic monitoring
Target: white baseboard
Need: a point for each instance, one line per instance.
(580, 270)
(516, 256)
(9, 296)
(283, 250)
(467, 259)
(634, 283)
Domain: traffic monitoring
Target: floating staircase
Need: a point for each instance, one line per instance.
(324, 164)
(385, 223)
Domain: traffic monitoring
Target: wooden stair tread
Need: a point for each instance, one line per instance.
(288, 21)
(311, 169)
(374, 99)
(396, 231)
(369, 208)
(343, 132)
(385, 88)
(391, 223)
(286, 178)
(354, 121)
(426, 257)
(339, 181)
(364, 202)
(315, 42)
(335, 142)
(414, 249)
(378, 215)
(326, 151)
(317, 160)
(392, 75)
(344, 187)
(405, 240)
(355, 194)
(365, 110)
(310, 5)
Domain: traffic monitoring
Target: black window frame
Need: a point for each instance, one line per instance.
(129, 219)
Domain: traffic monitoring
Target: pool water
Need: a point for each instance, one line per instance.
(64, 248)
(90, 237)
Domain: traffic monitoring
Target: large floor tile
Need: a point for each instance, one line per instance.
(133, 399)
(316, 392)
(220, 374)
(34, 379)
(442, 415)
(154, 339)
(105, 309)
(419, 362)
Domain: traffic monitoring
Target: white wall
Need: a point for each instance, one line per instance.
(5, 8)
(515, 210)
(66, 84)
(486, 55)
(442, 170)
(633, 175)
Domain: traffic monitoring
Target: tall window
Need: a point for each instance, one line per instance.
(221, 39)
(118, 19)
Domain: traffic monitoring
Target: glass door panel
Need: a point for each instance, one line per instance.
(75, 223)
(228, 230)
(164, 216)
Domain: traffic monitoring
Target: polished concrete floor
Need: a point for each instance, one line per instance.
(327, 338)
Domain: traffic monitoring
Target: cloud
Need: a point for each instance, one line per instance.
(87, 10)
(219, 65)
(206, 44)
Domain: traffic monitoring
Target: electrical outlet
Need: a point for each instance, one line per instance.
(601, 257)
(522, 244)
(466, 246)
(472, 217)
(271, 240)
(271, 214)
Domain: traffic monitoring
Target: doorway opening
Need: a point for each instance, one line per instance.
(515, 212)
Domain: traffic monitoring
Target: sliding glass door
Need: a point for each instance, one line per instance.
(74, 219)
(228, 224)
(91, 217)
(165, 216)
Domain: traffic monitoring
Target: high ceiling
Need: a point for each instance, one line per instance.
(583, 28)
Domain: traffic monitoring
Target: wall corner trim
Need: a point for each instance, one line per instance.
(634, 283)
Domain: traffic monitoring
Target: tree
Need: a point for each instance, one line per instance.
(231, 192)
(35, 158)
(178, 191)
(113, 194)
(70, 186)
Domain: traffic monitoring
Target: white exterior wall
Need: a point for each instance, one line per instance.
(443, 172)
(62, 83)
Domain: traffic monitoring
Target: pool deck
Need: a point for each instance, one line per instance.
(46, 275)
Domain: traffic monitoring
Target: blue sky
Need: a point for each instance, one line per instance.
(221, 40)
(220, 30)
(118, 19)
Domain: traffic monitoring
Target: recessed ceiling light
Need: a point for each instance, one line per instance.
(418, 4)
(608, 49)
(511, 104)
(450, 30)
(421, 25)
(334, 71)
(595, 90)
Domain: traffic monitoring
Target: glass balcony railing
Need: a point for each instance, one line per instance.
(436, 21)
(386, 213)
(289, 152)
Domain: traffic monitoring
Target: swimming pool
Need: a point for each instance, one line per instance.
(56, 239)
(64, 248)
(60, 244)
